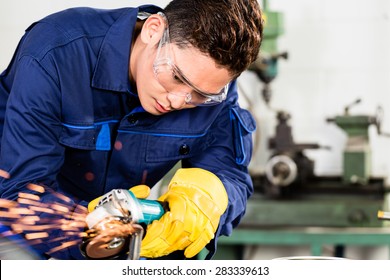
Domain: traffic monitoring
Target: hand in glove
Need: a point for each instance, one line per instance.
(197, 199)
(140, 191)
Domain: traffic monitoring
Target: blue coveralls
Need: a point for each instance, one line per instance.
(70, 120)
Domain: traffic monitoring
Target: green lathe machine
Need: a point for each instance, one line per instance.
(290, 194)
(357, 154)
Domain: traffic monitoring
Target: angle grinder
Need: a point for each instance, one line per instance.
(116, 226)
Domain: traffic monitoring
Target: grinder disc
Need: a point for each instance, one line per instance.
(109, 239)
(101, 249)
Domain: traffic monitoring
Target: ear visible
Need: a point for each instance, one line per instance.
(152, 29)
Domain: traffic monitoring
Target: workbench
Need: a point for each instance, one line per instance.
(315, 237)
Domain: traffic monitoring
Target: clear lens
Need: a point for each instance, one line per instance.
(199, 99)
(171, 78)
(172, 82)
(165, 76)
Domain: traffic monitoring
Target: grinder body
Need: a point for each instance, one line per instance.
(114, 226)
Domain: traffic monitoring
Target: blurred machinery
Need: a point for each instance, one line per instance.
(288, 167)
(357, 153)
(266, 65)
(291, 205)
(289, 193)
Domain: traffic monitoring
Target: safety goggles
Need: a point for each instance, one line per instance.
(172, 78)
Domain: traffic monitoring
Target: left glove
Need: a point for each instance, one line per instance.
(197, 199)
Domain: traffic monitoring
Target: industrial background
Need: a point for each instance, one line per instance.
(320, 95)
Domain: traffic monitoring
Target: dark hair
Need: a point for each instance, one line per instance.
(229, 31)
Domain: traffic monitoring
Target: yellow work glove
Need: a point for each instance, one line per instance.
(197, 199)
(140, 191)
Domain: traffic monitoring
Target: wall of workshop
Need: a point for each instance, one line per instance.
(339, 50)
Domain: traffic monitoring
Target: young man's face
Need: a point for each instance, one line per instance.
(169, 78)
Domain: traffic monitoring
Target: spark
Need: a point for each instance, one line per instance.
(38, 222)
(58, 224)
(36, 188)
(25, 227)
(29, 196)
(21, 211)
(62, 197)
(29, 220)
(4, 174)
(6, 214)
(111, 229)
(63, 246)
(60, 208)
(41, 209)
(36, 235)
(7, 203)
(30, 202)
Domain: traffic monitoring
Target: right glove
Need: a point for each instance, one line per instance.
(197, 199)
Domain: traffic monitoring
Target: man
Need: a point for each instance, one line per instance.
(95, 100)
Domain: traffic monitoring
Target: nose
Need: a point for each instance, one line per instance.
(177, 100)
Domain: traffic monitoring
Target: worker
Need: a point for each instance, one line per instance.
(95, 100)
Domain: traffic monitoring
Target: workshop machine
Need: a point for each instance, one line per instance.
(291, 205)
(357, 154)
(290, 194)
(266, 65)
(116, 226)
